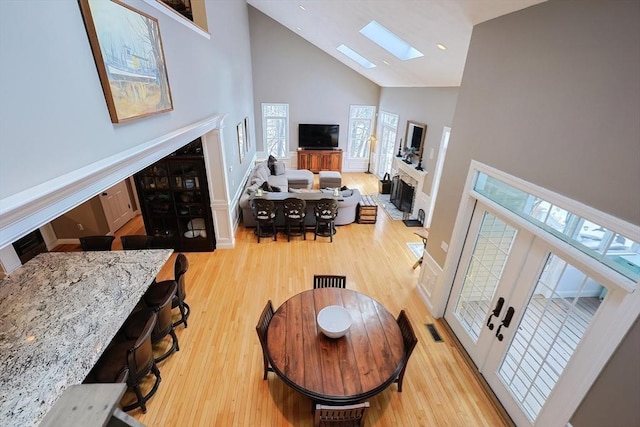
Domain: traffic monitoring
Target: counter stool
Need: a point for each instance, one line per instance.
(330, 179)
(131, 360)
(294, 211)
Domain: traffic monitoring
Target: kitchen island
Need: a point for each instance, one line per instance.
(58, 313)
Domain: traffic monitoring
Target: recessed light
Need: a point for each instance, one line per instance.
(302, 7)
(352, 54)
(441, 46)
(298, 28)
(389, 41)
(385, 62)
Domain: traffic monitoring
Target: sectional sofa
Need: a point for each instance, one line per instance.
(293, 181)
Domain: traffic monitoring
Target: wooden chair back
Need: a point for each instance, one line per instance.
(261, 329)
(340, 416)
(410, 340)
(96, 243)
(136, 241)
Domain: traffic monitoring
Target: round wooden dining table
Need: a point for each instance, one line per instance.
(339, 371)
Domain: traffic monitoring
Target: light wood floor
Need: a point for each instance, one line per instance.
(216, 377)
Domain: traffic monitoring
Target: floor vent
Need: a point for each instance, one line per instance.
(434, 333)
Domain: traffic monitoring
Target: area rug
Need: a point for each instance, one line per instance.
(416, 248)
(385, 202)
(393, 212)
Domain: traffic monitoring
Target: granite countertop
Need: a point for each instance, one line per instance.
(58, 312)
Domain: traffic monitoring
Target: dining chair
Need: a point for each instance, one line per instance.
(261, 329)
(325, 212)
(164, 324)
(132, 357)
(410, 340)
(264, 213)
(136, 241)
(329, 281)
(294, 211)
(343, 416)
(96, 243)
(158, 290)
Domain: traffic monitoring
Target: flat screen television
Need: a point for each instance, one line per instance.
(318, 137)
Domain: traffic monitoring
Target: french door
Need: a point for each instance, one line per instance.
(520, 307)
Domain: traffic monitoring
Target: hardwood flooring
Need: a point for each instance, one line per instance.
(216, 377)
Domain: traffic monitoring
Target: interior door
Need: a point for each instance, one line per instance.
(116, 205)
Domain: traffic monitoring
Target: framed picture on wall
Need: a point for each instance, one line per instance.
(128, 53)
(241, 147)
(247, 142)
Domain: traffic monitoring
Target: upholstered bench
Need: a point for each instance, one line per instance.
(299, 178)
(330, 179)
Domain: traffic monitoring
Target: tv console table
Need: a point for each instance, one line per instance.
(320, 160)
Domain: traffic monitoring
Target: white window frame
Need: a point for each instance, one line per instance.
(367, 137)
(285, 142)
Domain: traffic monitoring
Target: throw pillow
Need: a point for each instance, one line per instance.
(270, 162)
(278, 168)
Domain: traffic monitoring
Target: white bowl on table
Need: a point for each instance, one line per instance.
(334, 321)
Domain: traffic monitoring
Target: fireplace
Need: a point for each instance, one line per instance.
(402, 194)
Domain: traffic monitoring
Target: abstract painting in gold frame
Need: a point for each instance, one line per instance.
(127, 49)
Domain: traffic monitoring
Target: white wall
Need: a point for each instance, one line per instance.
(54, 118)
(317, 87)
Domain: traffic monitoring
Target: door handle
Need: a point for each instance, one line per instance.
(496, 312)
(105, 194)
(505, 322)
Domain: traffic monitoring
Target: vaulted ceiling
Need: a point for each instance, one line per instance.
(422, 23)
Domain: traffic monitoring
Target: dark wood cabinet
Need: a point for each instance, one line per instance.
(320, 160)
(174, 200)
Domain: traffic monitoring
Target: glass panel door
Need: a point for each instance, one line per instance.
(387, 134)
(555, 316)
(493, 254)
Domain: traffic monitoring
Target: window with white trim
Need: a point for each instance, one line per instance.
(361, 121)
(275, 129)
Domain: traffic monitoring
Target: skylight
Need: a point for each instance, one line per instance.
(356, 56)
(389, 41)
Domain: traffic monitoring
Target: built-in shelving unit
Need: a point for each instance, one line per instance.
(174, 199)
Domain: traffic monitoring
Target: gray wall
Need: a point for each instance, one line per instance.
(433, 106)
(290, 70)
(613, 399)
(551, 94)
(54, 116)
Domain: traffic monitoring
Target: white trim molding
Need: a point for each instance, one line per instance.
(23, 212)
(167, 10)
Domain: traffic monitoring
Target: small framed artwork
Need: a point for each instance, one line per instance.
(240, 129)
(128, 53)
(247, 142)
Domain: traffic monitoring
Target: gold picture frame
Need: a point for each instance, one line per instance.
(128, 53)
